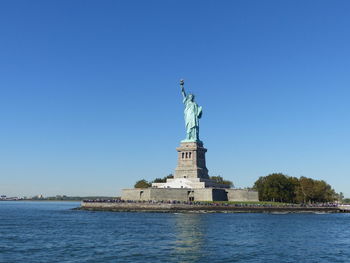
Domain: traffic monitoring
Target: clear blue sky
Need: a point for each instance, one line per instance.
(90, 100)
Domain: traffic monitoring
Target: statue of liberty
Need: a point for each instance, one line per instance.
(192, 114)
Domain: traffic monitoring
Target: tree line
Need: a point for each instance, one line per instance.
(279, 187)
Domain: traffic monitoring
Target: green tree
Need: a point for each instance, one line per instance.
(294, 184)
(276, 187)
(169, 176)
(159, 180)
(340, 197)
(282, 188)
(346, 201)
(142, 184)
(163, 180)
(311, 191)
(305, 191)
(259, 186)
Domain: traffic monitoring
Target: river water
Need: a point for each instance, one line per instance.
(52, 232)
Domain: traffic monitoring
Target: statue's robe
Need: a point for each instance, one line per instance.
(192, 114)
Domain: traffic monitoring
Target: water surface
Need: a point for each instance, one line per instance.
(52, 232)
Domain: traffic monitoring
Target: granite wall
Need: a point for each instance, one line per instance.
(242, 195)
(186, 194)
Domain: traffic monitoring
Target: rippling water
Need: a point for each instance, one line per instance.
(52, 232)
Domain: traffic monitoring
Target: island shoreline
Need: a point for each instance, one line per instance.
(200, 208)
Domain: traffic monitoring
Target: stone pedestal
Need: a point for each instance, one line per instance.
(191, 171)
(191, 161)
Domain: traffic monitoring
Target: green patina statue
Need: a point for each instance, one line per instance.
(192, 115)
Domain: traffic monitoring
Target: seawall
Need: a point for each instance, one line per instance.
(201, 208)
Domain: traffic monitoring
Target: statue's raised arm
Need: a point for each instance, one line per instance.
(182, 82)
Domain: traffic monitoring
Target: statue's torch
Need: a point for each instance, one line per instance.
(182, 82)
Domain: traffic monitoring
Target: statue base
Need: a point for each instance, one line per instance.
(191, 161)
(191, 170)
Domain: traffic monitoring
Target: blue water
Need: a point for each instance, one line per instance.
(52, 232)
